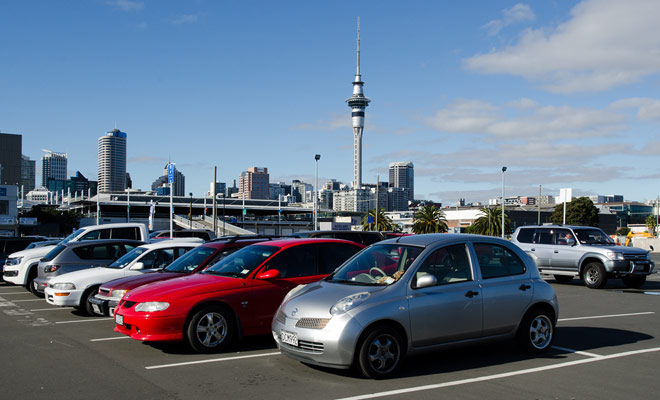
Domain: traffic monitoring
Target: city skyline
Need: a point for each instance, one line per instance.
(562, 93)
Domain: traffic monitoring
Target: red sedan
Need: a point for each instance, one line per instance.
(236, 297)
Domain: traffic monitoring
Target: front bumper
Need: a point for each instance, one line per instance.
(11, 274)
(630, 268)
(63, 298)
(104, 305)
(155, 326)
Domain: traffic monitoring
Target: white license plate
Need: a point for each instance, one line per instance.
(112, 311)
(96, 308)
(289, 338)
(119, 319)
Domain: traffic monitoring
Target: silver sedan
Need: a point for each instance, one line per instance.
(414, 294)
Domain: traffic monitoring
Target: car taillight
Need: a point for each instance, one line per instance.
(51, 268)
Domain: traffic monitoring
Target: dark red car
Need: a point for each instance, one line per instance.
(236, 297)
(110, 293)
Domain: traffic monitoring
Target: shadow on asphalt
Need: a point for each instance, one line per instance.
(253, 343)
(614, 284)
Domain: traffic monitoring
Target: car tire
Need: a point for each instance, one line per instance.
(32, 275)
(85, 306)
(563, 278)
(536, 332)
(210, 330)
(594, 275)
(380, 353)
(634, 282)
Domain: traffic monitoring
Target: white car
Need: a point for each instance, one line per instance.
(21, 267)
(75, 288)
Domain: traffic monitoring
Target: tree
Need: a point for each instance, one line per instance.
(580, 211)
(651, 223)
(429, 219)
(623, 231)
(384, 222)
(490, 223)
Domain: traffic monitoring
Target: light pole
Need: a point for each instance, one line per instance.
(190, 213)
(224, 213)
(316, 190)
(503, 171)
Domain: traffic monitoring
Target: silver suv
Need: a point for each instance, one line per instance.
(581, 251)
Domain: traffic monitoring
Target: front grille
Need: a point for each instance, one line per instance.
(10, 273)
(312, 323)
(281, 318)
(312, 347)
(635, 257)
(128, 304)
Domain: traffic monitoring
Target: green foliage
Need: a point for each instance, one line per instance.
(651, 223)
(384, 222)
(580, 211)
(67, 220)
(429, 219)
(489, 223)
(623, 231)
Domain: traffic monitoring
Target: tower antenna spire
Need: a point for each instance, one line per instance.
(358, 46)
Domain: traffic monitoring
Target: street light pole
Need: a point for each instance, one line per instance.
(316, 190)
(224, 213)
(503, 171)
(190, 213)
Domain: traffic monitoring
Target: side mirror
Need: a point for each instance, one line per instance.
(651, 247)
(270, 274)
(138, 265)
(426, 281)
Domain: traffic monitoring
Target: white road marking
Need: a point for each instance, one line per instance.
(83, 320)
(19, 301)
(16, 292)
(212, 360)
(584, 353)
(50, 309)
(605, 316)
(499, 376)
(109, 338)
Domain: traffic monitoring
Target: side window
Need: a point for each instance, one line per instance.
(163, 258)
(127, 248)
(295, 262)
(544, 236)
(148, 259)
(97, 234)
(449, 264)
(564, 237)
(97, 252)
(496, 261)
(125, 233)
(525, 235)
(334, 254)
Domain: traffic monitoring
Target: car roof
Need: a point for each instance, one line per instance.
(433, 238)
(103, 241)
(290, 242)
(171, 242)
(227, 240)
(559, 226)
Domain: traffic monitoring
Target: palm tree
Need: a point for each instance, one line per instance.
(490, 223)
(429, 219)
(384, 222)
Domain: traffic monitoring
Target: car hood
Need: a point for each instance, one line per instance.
(618, 249)
(91, 276)
(131, 282)
(316, 299)
(185, 286)
(33, 253)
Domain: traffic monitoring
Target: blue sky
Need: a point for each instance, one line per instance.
(563, 93)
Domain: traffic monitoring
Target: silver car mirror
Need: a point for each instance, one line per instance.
(426, 281)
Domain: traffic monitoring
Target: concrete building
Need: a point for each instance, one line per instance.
(112, 162)
(28, 173)
(8, 210)
(354, 200)
(402, 175)
(11, 146)
(53, 166)
(161, 185)
(254, 184)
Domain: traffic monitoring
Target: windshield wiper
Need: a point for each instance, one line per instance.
(350, 282)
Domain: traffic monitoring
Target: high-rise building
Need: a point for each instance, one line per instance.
(162, 186)
(254, 184)
(358, 103)
(112, 162)
(11, 146)
(402, 175)
(28, 168)
(53, 166)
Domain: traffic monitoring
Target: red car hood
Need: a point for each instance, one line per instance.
(185, 286)
(131, 282)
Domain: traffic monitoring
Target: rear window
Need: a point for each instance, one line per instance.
(525, 235)
(53, 253)
(98, 252)
(126, 233)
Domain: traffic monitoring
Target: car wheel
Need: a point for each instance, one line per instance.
(634, 282)
(210, 330)
(563, 278)
(594, 275)
(32, 275)
(380, 353)
(85, 306)
(536, 332)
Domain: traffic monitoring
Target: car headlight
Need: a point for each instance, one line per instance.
(152, 306)
(14, 261)
(63, 286)
(648, 256)
(615, 256)
(349, 302)
(118, 293)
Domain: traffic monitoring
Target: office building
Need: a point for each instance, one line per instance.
(254, 184)
(112, 162)
(53, 166)
(28, 173)
(162, 186)
(402, 176)
(11, 146)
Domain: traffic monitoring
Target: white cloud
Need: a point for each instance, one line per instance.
(647, 109)
(604, 44)
(126, 5)
(518, 13)
(185, 19)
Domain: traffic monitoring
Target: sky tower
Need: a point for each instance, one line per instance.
(358, 103)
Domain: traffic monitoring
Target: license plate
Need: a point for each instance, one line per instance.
(289, 338)
(36, 285)
(112, 311)
(96, 308)
(119, 319)
(640, 267)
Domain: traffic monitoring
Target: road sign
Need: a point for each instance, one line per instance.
(170, 173)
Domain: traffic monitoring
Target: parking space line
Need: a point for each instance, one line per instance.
(83, 320)
(212, 360)
(49, 309)
(605, 316)
(21, 301)
(17, 292)
(584, 353)
(109, 338)
(499, 376)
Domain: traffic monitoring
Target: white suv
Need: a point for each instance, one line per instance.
(21, 267)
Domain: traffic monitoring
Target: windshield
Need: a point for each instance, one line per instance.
(593, 236)
(53, 253)
(241, 263)
(127, 258)
(380, 264)
(191, 260)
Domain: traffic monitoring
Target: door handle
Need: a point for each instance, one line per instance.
(556, 251)
(471, 294)
(524, 287)
(533, 249)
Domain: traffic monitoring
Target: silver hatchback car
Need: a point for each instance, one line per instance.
(414, 294)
